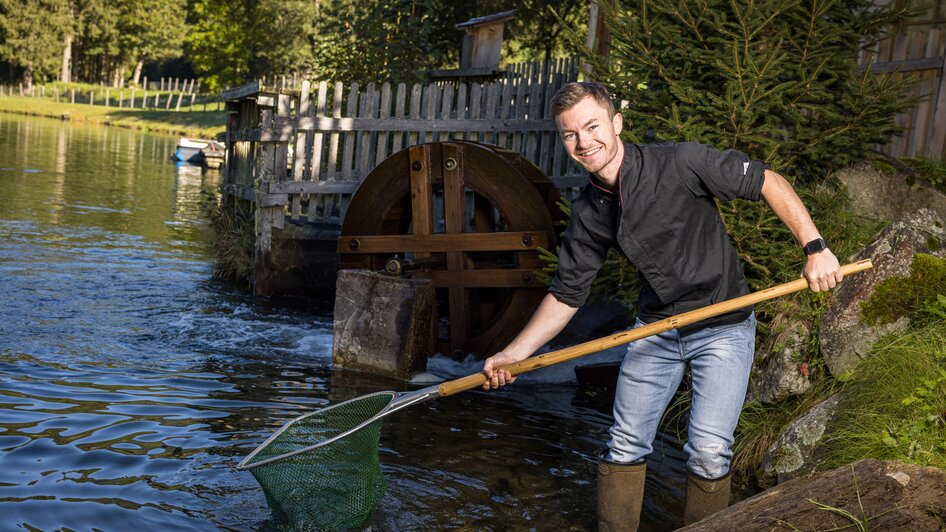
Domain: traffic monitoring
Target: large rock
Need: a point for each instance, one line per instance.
(866, 495)
(792, 454)
(845, 338)
(779, 371)
(383, 324)
(886, 196)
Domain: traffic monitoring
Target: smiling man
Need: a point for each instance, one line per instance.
(655, 203)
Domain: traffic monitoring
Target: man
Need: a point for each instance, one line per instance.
(655, 203)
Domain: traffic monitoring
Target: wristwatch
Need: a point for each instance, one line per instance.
(815, 246)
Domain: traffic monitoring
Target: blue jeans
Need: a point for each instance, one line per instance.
(720, 359)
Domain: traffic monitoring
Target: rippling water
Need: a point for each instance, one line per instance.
(131, 383)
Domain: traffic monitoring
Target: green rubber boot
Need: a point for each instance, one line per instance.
(620, 496)
(704, 497)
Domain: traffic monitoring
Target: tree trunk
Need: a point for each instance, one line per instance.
(137, 75)
(65, 75)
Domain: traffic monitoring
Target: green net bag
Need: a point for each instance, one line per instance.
(321, 471)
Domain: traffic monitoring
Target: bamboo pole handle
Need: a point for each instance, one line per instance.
(563, 355)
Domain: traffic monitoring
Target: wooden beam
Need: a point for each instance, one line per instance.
(422, 203)
(313, 187)
(442, 243)
(937, 147)
(455, 222)
(286, 127)
(480, 278)
(243, 91)
(907, 65)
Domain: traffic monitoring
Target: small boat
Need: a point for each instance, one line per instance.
(197, 150)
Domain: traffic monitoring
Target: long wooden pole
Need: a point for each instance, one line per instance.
(562, 355)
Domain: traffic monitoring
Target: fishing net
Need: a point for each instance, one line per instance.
(321, 471)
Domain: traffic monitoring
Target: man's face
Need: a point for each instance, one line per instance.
(590, 135)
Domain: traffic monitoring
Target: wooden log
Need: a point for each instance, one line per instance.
(874, 494)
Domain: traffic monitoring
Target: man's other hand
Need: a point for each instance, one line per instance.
(498, 377)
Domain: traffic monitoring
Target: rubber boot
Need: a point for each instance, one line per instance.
(620, 495)
(704, 497)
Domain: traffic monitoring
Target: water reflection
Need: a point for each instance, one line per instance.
(131, 383)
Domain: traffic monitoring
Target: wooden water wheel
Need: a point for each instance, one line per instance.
(471, 218)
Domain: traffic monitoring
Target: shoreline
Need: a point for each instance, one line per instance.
(198, 124)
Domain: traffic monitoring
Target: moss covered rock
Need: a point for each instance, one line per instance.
(846, 336)
(792, 454)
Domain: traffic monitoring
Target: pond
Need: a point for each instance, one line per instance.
(132, 383)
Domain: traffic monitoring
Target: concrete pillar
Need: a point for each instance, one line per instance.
(382, 323)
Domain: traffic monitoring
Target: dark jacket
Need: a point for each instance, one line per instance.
(665, 221)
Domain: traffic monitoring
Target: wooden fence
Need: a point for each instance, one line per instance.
(306, 150)
(917, 54)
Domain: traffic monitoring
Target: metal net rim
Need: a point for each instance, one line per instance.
(246, 465)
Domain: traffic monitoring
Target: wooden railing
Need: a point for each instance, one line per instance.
(308, 149)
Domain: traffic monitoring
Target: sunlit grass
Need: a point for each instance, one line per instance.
(894, 407)
(196, 123)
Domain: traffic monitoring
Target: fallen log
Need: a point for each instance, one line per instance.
(866, 495)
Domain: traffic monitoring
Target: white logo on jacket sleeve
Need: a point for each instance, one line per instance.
(745, 168)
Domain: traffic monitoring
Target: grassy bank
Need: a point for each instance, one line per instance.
(203, 124)
(894, 408)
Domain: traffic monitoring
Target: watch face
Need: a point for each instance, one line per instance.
(815, 246)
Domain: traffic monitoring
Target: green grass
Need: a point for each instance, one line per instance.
(932, 171)
(894, 407)
(196, 123)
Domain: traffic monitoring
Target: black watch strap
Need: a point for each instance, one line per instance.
(815, 246)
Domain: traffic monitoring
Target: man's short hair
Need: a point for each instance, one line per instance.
(572, 93)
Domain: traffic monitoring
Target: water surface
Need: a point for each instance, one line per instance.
(132, 383)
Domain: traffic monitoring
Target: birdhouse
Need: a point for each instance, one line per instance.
(482, 48)
(483, 42)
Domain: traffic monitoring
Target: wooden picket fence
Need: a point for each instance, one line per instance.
(308, 149)
(917, 54)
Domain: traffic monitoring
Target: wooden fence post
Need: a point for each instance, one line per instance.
(937, 149)
(91, 97)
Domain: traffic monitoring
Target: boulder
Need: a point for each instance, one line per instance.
(792, 454)
(883, 195)
(383, 324)
(866, 495)
(780, 371)
(844, 337)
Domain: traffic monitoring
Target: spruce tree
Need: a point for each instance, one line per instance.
(777, 79)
